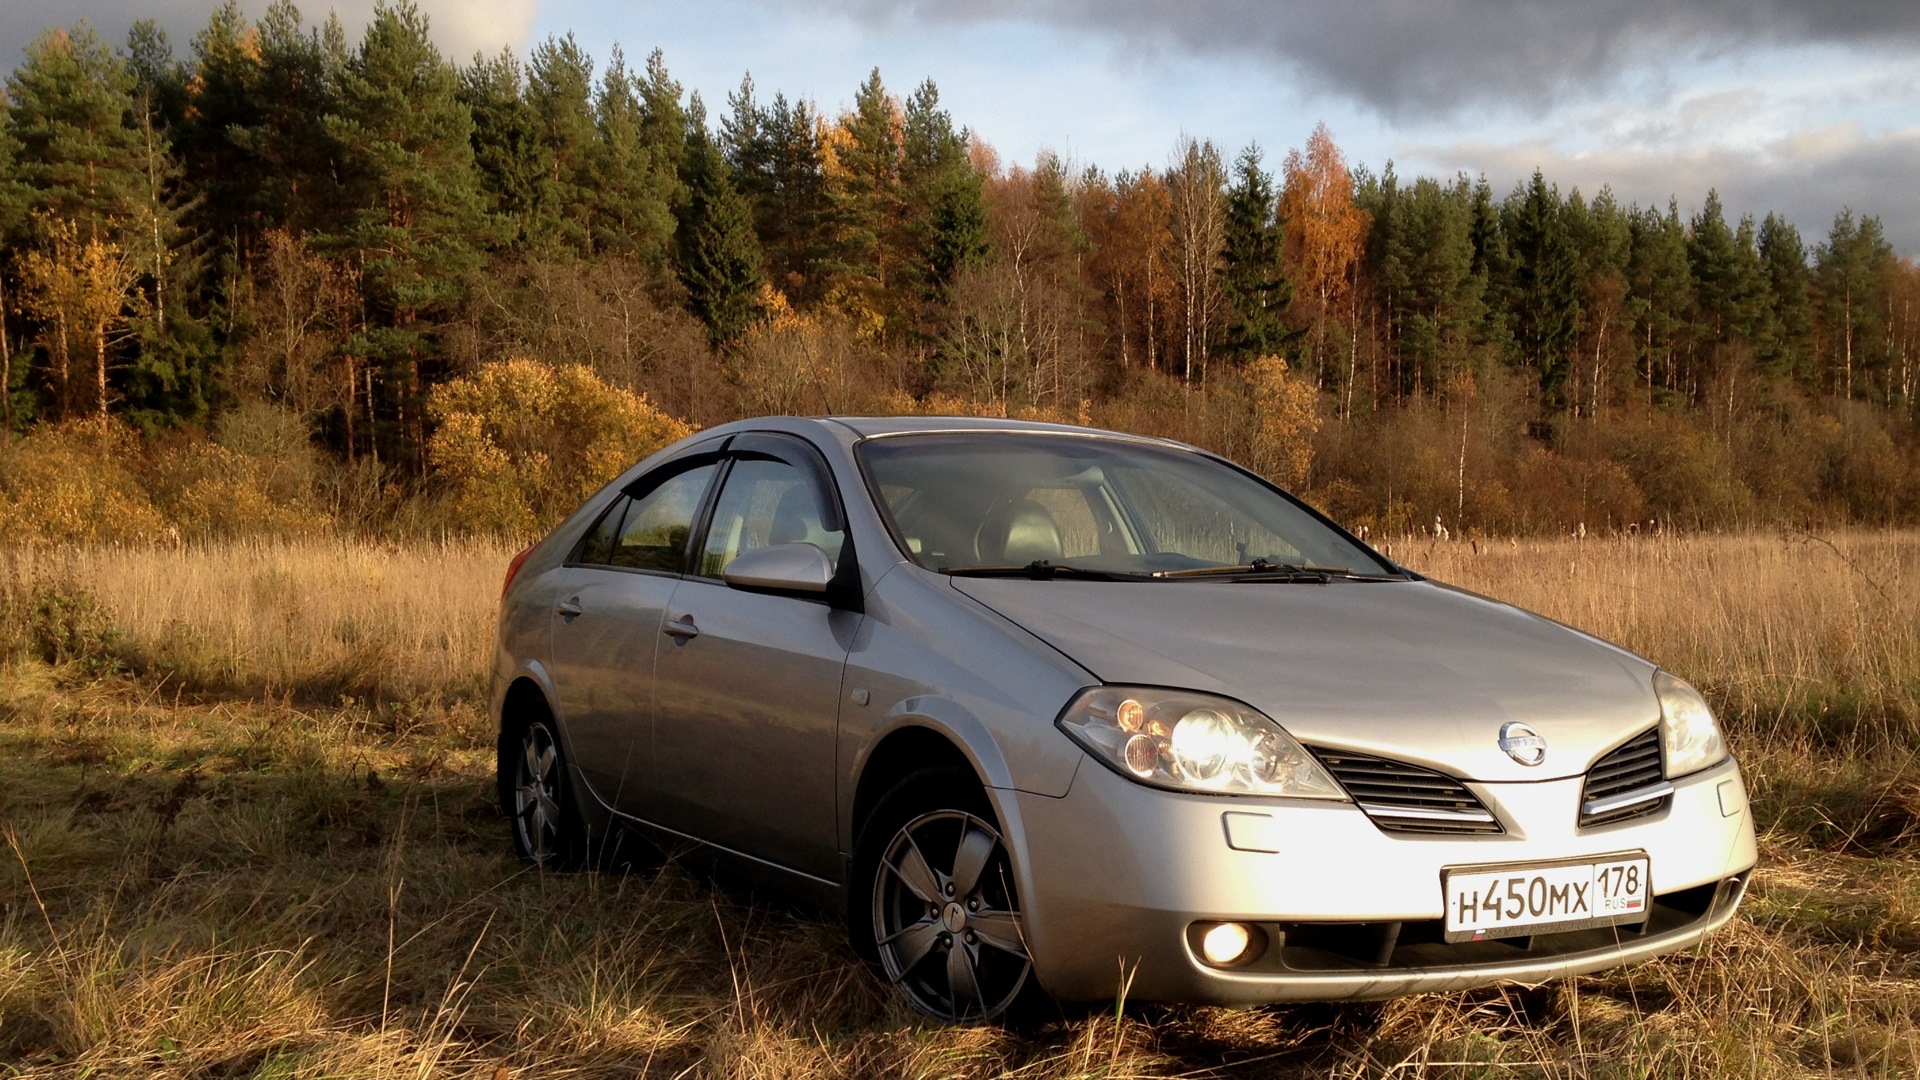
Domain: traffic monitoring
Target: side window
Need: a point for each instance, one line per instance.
(653, 534)
(766, 502)
(598, 548)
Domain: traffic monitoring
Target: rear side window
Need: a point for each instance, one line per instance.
(654, 532)
(598, 548)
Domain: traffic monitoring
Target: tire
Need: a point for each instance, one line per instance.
(933, 904)
(537, 798)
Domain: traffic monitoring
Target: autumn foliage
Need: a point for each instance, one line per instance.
(518, 443)
(284, 274)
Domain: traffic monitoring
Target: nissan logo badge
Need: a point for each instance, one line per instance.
(1523, 744)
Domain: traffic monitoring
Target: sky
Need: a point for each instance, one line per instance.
(1803, 107)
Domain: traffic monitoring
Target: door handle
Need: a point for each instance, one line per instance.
(567, 609)
(681, 630)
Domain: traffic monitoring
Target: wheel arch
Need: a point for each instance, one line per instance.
(901, 752)
(524, 699)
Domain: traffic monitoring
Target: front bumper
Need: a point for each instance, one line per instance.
(1115, 874)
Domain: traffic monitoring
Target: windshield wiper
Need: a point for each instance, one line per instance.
(1041, 569)
(1262, 570)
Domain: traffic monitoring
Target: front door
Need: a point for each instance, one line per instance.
(748, 684)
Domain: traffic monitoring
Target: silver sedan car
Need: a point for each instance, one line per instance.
(1055, 711)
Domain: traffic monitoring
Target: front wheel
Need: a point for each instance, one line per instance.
(943, 917)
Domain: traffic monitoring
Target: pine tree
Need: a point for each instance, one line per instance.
(417, 215)
(299, 85)
(747, 145)
(1725, 275)
(159, 78)
(663, 123)
(1850, 270)
(1252, 280)
(514, 162)
(795, 224)
(719, 259)
(1546, 296)
(633, 184)
(944, 204)
(1660, 294)
(1602, 234)
(15, 197)
(68, 108)
(559, 97)
(1441, 301)
(1788, 350)
(223, 107)
(867, 198)
(170, 378)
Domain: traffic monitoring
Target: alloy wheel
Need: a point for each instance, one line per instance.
(946, 919)
(536, 794)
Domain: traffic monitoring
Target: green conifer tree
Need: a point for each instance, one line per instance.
(1726, 284)
(299, 85)
(514, 162)
(223, 108)
(795, 225)
(1788, 350)
(867, 200)
(559, 95)
(663, 123)
(942, 194)
(416, 218)
(1252, 281)
(1850, 271)
(67, 107)
(634, 184)
(1546, 286)
(15, 197)
(1660, 286)
(719, 259)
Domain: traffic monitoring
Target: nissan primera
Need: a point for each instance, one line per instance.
(1055, 711)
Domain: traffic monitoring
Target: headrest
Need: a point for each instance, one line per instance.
(1018, 532)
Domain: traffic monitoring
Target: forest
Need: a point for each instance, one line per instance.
(280, 280)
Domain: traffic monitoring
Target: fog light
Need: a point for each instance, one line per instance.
(1227, 943)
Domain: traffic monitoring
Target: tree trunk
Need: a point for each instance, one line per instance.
(62, 363)
(100, 365)
(6, 366)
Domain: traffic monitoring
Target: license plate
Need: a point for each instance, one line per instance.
(1508, 901)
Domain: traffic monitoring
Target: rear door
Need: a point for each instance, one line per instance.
(749, 684)
(606, 624)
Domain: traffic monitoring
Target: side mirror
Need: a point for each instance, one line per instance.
(781, 568)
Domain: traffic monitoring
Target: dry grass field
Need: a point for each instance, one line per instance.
(246, 830)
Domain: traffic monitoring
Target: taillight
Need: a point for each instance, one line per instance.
(513, 568)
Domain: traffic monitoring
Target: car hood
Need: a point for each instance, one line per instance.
(1411, 670)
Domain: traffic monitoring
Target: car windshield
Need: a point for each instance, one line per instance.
(978, 500)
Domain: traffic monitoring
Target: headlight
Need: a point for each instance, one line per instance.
(1687, 727)
(1194, 742)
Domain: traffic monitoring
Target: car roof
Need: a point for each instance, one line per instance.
(865, 427)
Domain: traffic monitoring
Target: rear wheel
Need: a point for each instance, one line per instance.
(935, 905)
(538, 801)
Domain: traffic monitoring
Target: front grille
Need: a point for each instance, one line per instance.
(1407, 798)
(1627, 782)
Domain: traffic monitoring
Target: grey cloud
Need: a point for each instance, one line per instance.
(1414, 58)
(459, 27)
(1807, 177)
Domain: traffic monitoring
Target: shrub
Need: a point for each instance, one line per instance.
(75, 483)
(520, 443)
(257, 477)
